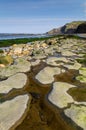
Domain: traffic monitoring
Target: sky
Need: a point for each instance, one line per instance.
(39, 16)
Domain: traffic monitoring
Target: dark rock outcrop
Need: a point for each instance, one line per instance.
(81, 28)
(70, 28)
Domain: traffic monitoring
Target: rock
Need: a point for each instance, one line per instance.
(59, 96)
(36, 62)
(81, 28)
(67, 45)
(82, 76)
(55, 60)
(82, 71)
(20, 66)
(25, 53)
(37, 52)
(69, 28)
(6, 60)
(46, 76)
(39, 57)
(36, 45)
(13, 112)
(17, 50)
(2, 65)
(77, 113)
(20, 50)
(75, 66)
(67, 53)
(49, 51)
(16, 81)
(51, 41)
(43, 45)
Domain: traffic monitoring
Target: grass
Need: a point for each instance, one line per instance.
(6, 43)
(6, 60)
(74, 24)
(1, 51)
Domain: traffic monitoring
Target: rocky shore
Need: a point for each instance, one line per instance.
(43, 85)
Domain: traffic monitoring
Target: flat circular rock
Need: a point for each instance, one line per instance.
(78, 114)
(83, 71)
(67, 53)
(59, 96)
(75, 66)
(46, 76)
(16, 81)
(20, 66)
(82, 77)
(12, 112)
(36, 62)
(54, 60)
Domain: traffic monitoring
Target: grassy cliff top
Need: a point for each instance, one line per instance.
(74, 24)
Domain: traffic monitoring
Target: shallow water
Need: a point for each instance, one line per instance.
(17, 36)
(42, 114)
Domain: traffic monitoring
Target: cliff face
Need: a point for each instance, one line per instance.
(70, 28)
(55, 31)
(81, 28)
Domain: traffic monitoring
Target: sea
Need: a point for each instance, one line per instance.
(17, 36)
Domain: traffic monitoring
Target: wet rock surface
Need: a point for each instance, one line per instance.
(82, 76)
(46, 76)
(59, 96)
(9, 109)
(14, 82)
(20, 65)
(78, 114)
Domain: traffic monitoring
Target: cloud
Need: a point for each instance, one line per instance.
(31, 25)
(30, 20)
(85, 4)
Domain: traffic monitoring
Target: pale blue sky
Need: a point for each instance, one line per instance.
(39, 16)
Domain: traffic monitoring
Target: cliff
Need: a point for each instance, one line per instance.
(70, 28)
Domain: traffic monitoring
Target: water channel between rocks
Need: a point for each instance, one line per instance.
(42, 115)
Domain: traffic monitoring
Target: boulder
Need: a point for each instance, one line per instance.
(51, 41)
(17, 49)
(2, 65)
